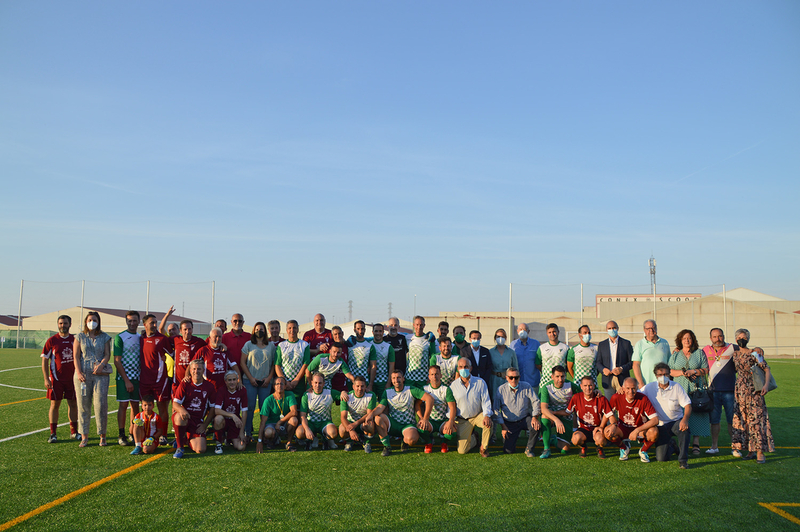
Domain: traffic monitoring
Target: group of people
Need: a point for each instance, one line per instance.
(418, 388)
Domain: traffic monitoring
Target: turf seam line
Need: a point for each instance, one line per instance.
(44, 429)
(72, 495)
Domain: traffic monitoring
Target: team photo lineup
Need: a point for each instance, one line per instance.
(419, 388)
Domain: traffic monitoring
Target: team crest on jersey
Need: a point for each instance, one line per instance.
(219, 365)
(195, 404)
(589, 418)
(629, 419)
(66, 354)
(183, 357)
(231, 409)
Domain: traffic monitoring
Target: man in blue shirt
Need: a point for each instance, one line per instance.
(525, 347)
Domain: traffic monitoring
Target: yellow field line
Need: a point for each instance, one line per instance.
(25, 401)
(773, 507)
(65, 498)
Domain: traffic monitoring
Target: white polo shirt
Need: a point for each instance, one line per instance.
(669, 403)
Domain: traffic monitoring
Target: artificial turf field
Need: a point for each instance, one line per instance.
(334, 490)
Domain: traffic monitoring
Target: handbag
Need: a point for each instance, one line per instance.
(702, 400)
(759, 376)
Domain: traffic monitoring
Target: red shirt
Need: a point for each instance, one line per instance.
(235, 344)
(591, 412)
(195, 398)
(185, 353)
(217, 363)
(630, 414)
(314, 339)
(154, 349)
(62, 361)
(232, 402)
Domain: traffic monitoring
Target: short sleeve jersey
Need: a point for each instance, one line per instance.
(291, 356)
(315, 339)
(449, 367)
(401, 404)
(557, 398)
(185, 352)
(357, 407)
(359, 356)
(217, 363)
(583, 358)
(384, 353)
(399, 344)
(420, 350)
(150, 424)
(195, 398)
(317, 406)
(591, 412)
(549, 356)
(630, 414)
(328, 369)
(127, 346)
(154, 348)
(274, 409)
(441, 396)
(58, 351)
(232, 402)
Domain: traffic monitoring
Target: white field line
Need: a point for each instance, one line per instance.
(29, 389)
(42, 430)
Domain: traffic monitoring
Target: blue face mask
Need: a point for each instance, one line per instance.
(512, 386)
(523, 334)
(586, 338)
(475, 343)
(500, 340)
(613, 333)
(464, 373)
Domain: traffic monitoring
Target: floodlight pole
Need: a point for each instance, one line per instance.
(19, 311)
(581, 306)
(510, 294)
(83, 290)
(725, 310)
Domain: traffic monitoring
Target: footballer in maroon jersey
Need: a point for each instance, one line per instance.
(58, 367)
(230, 409)
(594, 413)
(193, 410)
(637, 418)
(216, 361)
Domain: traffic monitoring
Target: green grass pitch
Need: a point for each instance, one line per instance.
(334, 490)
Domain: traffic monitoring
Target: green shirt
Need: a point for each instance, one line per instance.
(401, 404)
(358, 407)
(384, 353)
(274, 410)
(549, 356)
(323, 364)
(291, 356)
(558, 398)
(317, 406)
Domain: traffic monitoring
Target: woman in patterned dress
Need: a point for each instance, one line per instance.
(92, 350)
(689, 367)
(751, 429)
(503, 357)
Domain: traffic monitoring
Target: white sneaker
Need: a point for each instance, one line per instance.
(644, 457)
(332, 445)
(736, 453)
(625, 451)
(218, 450)
(712, 450)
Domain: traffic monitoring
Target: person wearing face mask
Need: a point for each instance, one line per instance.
(92, 348)
(614, 360)
(502, 357)
(582, 358)
(479, 357)
(674, 409)
(258, 372)
(689, 367)
(751, 427)
(460, 344)
(525, 348)
(722, 380)
(473, 409)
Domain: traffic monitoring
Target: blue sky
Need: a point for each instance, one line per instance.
(306, 154)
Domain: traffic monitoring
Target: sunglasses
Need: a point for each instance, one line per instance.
(513, 378)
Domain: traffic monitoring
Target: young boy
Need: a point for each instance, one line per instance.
(146, 427)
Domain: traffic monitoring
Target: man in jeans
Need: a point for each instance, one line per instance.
(517, 408)
(722, 375)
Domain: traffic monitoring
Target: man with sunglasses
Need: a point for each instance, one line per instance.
(517, 408)
(235, 339)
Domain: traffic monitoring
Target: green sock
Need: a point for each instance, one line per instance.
(386, 443)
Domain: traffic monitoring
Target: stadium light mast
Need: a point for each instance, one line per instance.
(652, 264)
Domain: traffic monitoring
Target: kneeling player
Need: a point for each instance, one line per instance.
(278, 418)
(637, 420)
(358, 418)
(443, 413)
(193, 410)
(315, 414)
(399, 402)
(230, 408)
(554, 398)
(146, 427)
(594, 413)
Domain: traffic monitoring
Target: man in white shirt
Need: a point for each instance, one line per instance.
(673, 407)
(473, 409)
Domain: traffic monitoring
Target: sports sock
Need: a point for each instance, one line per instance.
(121, 433)
(219, 436)
(179, 435)
(386, 443)
(623, 444)
(53, 428)
(646, 445)
(73, 427)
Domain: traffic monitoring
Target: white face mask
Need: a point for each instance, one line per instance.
(92, 325)
(523, 334)
(662, 379)
(613, 333)
(500, 340)
(586, 338)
